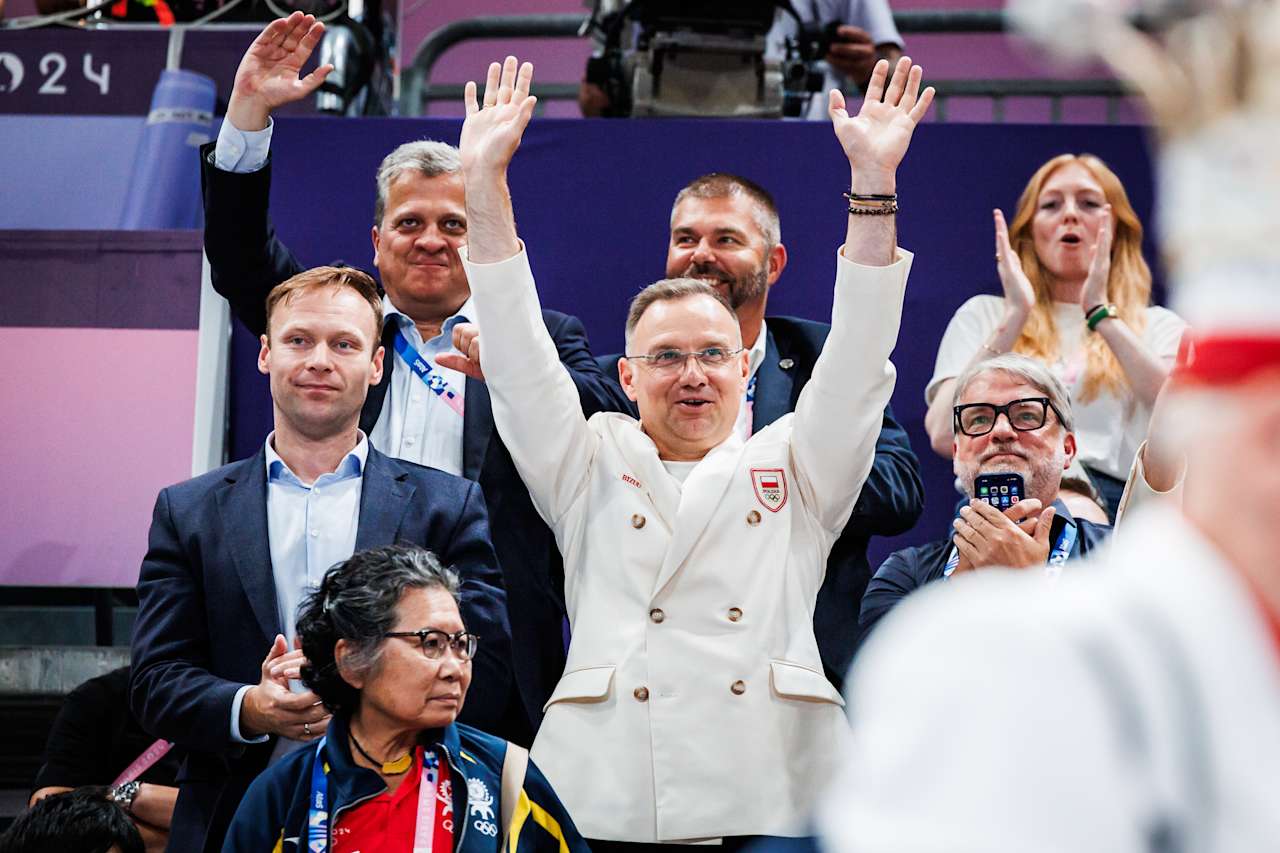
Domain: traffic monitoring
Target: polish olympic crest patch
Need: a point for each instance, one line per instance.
(770, 485)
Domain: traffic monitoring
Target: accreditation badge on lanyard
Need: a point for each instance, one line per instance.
(1053, 566)
(433, 827)
(432, 378)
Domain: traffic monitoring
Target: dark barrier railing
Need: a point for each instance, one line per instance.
(417, 91)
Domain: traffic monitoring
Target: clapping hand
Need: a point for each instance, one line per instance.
(268, 76)
(1095, 286)
(876, 139)
(1019, 295)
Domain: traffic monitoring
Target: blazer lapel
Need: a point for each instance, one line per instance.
(699, 500)
(773, 385)
(641, 457)
(385, 497)
(378, 394)
(242, 504)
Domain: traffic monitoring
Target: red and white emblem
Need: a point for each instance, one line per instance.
(771, 487)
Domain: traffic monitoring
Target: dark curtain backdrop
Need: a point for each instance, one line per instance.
(593, 198)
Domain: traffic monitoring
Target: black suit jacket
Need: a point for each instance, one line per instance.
(207, 614)
(247, 260)
(891, 500)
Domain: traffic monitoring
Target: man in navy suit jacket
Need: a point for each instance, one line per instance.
(725, 230)
(231, 553)
(420, 220)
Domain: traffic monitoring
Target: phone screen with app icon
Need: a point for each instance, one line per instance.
(1000, 490)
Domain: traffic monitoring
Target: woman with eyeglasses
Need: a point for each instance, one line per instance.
(389, 656)
(1076, 296)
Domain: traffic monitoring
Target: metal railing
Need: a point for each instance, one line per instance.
(417, 90)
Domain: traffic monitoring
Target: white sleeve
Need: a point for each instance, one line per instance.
(969, 328)
(1138, 493)
(841, 409)
(236, 737)
(876, 18)
(976, 729)
(242, 151)
(536, 407)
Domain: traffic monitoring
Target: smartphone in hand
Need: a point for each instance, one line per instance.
(1000, 490)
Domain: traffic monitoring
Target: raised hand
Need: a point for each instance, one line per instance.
(876, 139)
(1095, 286)
(1019, 295)
(492, 131)
(268, 76)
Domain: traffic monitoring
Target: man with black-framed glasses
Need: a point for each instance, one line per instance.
(1011, 416)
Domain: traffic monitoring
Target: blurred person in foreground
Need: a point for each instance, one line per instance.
(692, 557)
(85, 820)
(1011, 415)
(1137, 708)
(388, 654)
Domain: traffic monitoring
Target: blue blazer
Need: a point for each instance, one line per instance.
(207, 614)
(890, 503)
(907, 570)
(247, 260)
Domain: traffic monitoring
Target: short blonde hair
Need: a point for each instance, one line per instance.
(339, 277)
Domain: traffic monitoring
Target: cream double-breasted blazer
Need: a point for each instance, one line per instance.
(693, 704)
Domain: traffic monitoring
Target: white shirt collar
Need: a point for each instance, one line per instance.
(755, 355)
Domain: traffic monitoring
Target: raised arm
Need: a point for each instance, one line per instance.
(536, 407)
(269, 75)
(839, 413)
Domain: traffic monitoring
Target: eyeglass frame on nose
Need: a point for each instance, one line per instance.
(472, 640)
(1046, 406)
(702, 356)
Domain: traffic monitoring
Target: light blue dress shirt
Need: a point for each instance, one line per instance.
(310, 528)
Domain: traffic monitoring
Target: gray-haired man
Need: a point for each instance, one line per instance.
(1012, 416)
(421, 411)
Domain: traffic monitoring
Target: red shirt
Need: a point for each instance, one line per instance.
(386, 823)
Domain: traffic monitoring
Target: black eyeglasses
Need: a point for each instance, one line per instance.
(668, 360)
(975, 419)
(434, 642)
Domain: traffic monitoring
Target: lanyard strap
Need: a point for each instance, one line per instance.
(1053, 566)
(143, 762)
(433, 378)
(433, 828)
(751, 404)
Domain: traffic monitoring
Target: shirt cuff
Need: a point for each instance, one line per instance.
(242, 151)
(236, 737)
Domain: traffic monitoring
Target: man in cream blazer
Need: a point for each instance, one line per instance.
(693, 705)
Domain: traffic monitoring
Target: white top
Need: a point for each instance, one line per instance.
(1108, 428)
(999, 714)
